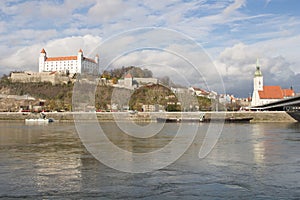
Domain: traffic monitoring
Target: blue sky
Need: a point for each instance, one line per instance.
(233, 33)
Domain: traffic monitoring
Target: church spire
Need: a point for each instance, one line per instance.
(257, 72)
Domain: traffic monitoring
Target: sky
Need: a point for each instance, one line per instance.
(232, 33)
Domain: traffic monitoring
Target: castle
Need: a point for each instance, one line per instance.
(267, 94)
(70, 64)
(58, 69)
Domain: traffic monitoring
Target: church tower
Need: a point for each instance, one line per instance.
(258, 78)
(257, 85)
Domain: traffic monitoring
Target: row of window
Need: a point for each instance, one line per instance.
(51, 67)
(47, 65)
(61, 68)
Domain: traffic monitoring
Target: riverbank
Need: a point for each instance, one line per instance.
(265, 116)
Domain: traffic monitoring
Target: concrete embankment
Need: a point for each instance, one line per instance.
(265, 116)
(268, 116)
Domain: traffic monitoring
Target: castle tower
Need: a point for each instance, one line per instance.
(79, 59)
(80, 53)
(257, 85)
(97, 58)
(42, 59)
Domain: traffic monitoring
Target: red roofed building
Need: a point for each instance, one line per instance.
(71, 64)
(198, 92)
(267, 94)
(129, 76)
(128, 80)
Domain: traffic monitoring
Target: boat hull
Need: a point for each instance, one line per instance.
(167, 120)
(226, 120)
(229, 120)
(38, 120)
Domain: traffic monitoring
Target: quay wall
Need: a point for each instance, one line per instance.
(262, 116)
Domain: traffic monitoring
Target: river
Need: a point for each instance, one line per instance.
(249, 161)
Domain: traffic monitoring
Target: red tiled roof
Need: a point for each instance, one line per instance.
(275, 92)
(43, 51)
(201, 90)
(128, 75)
(288, 92)
(68, 58)
(271, 92)
(61, 58)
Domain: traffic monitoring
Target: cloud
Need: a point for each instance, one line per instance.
(106, 10)
(235, 32)
(267, 2)
(237, 66)
(165, 53)
(236, 5)
(27, 58)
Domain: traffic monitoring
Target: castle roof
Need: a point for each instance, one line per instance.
(89, 59)
(61, 58)
(275, 92)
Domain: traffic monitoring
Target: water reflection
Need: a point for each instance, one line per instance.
(249, 161)
(45, 156)
(54, 172)
(259, 149)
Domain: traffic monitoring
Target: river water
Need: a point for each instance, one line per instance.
(249, 161)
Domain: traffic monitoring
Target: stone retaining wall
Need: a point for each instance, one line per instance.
(274, 116)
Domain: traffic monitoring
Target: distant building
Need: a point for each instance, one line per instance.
(130, 82)
(180, 90)
(267, 94)
(52, 77)
(145, 81)
(67, 64)
(148, 108)
(126, 82)
(198, 92)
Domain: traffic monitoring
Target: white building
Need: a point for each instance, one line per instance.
(198, 92)
(126, 82)
(131, 82)
(267, 94)
(71, 64)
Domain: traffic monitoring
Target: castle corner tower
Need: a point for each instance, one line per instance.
(42, 59)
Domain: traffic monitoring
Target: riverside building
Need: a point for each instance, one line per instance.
(67, 64)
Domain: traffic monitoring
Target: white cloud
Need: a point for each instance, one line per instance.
(168, 53)
(106, 10)
(267, 2)
(236, 5)
(237, 65)
(230, 29)
(27, 58)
